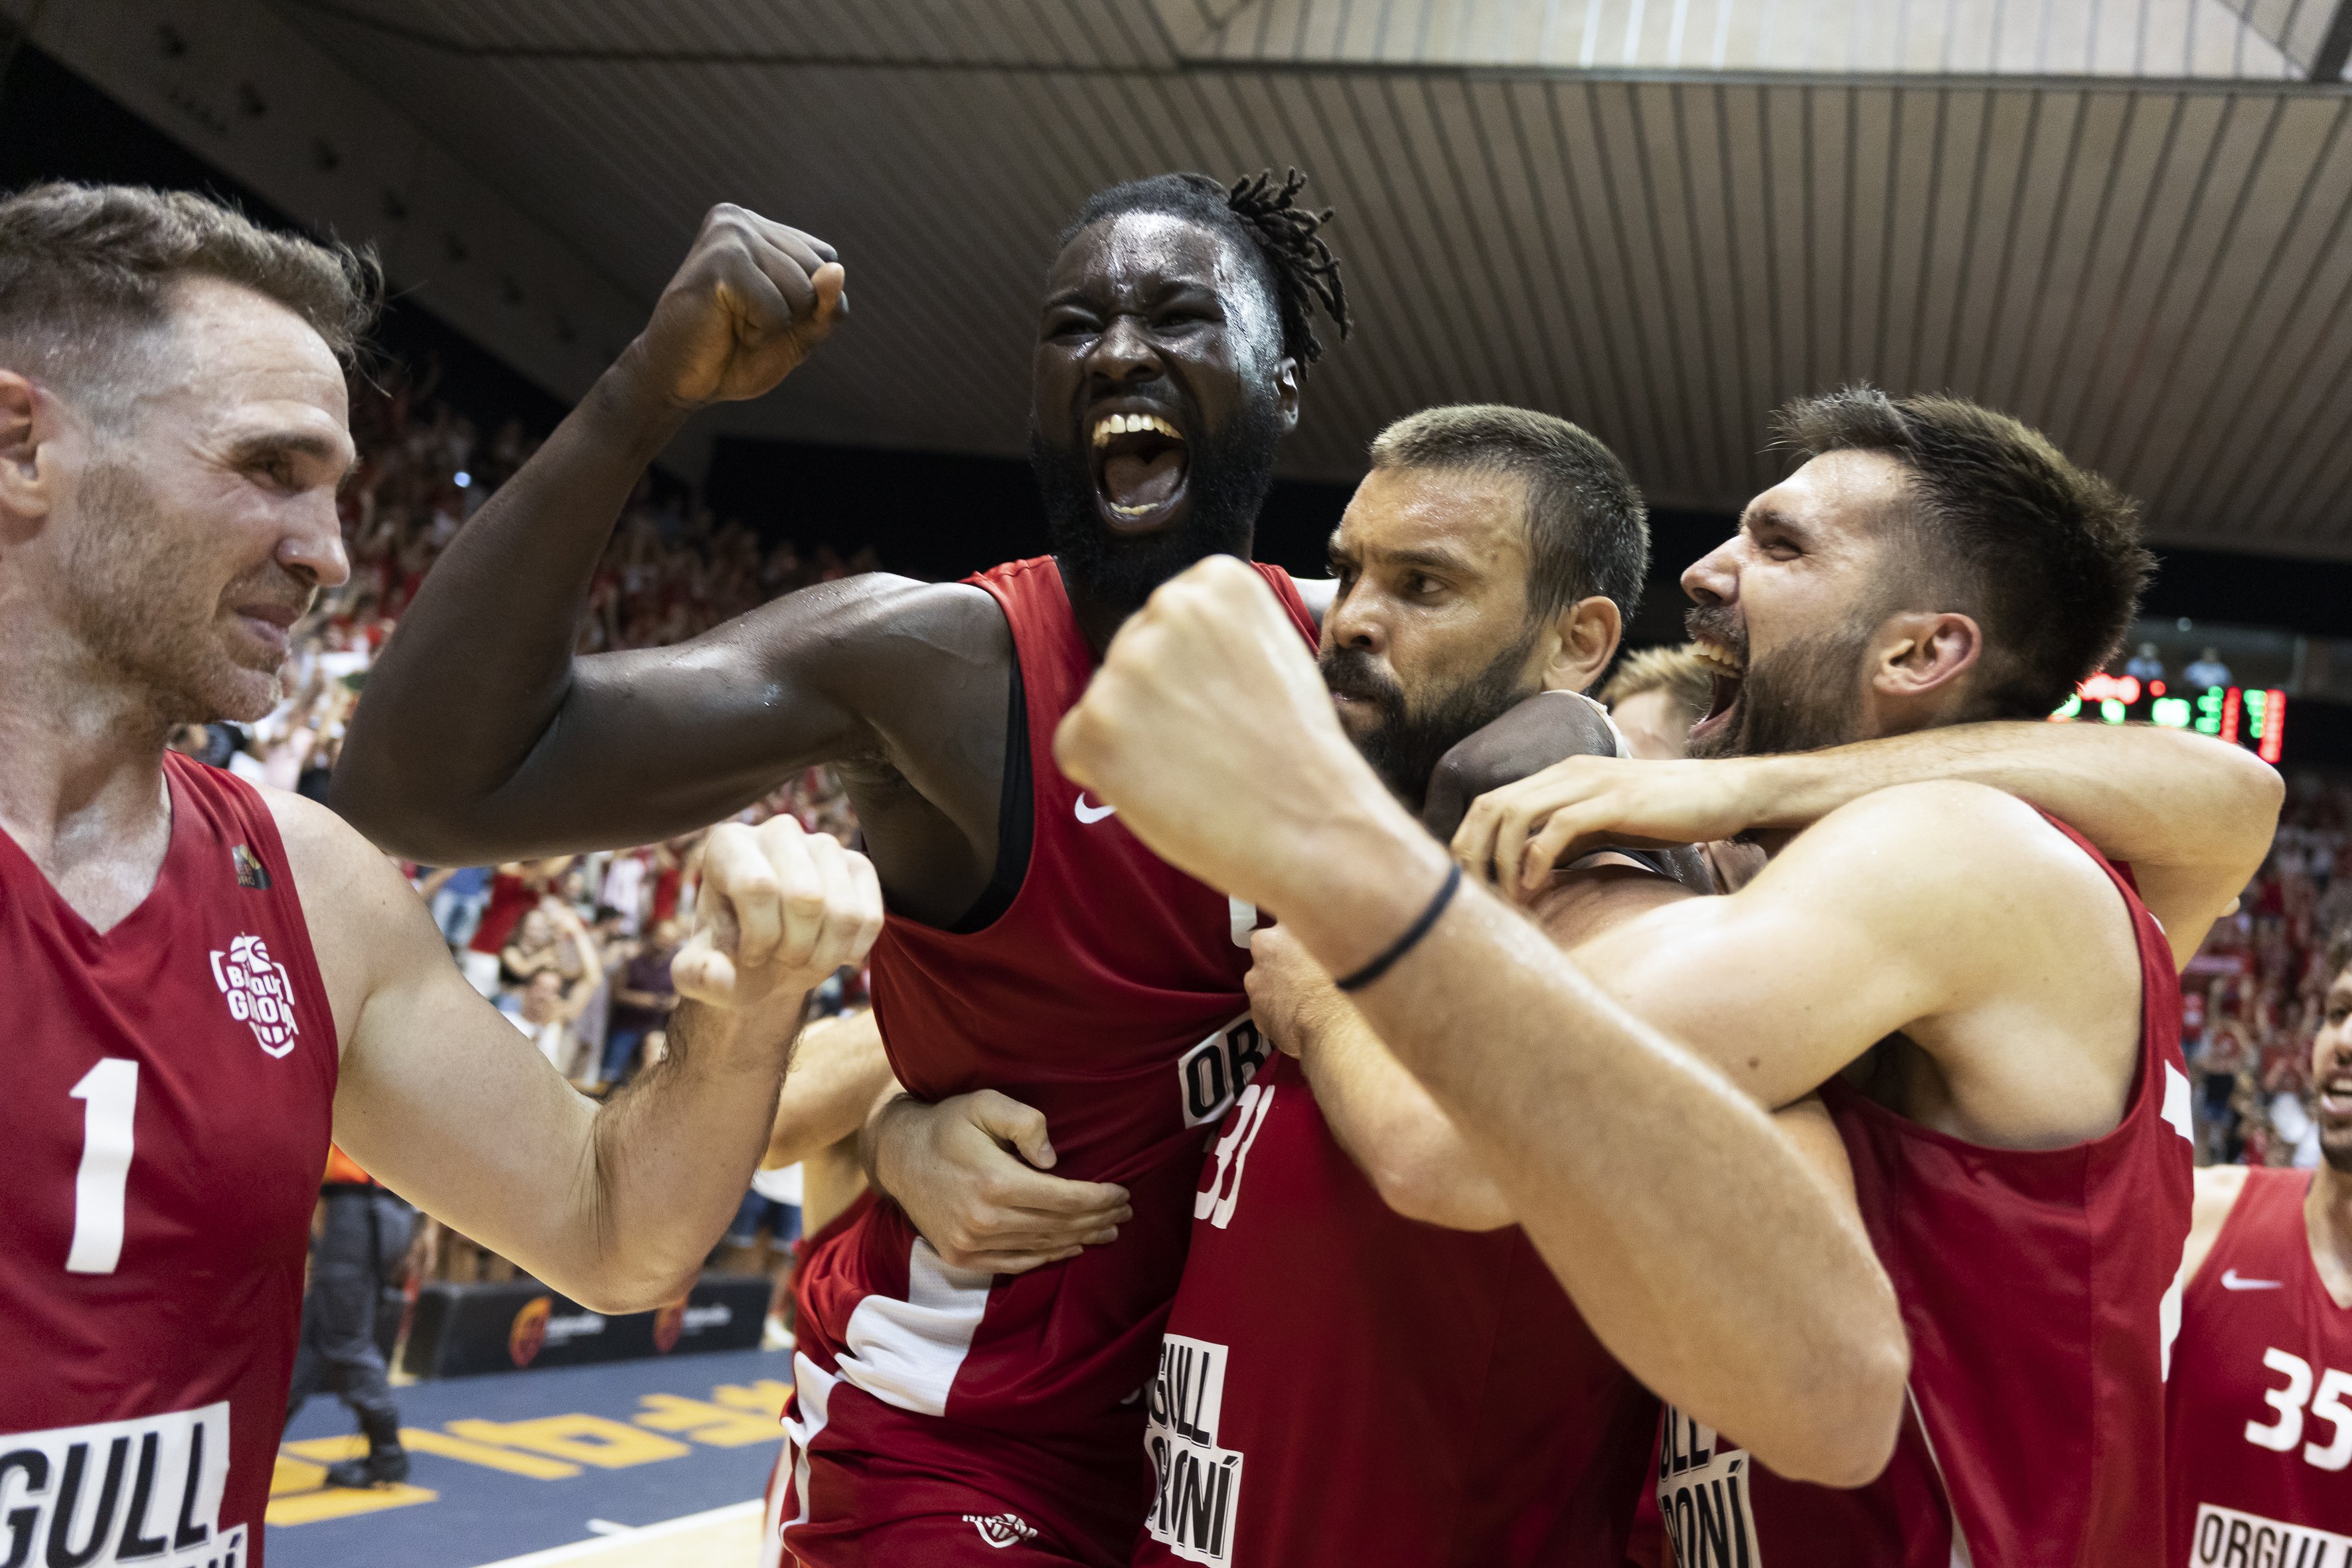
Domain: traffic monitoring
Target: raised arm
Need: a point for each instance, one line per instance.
(449, 1105)
(483, 737)
(1705, 1249)
(2193, 817)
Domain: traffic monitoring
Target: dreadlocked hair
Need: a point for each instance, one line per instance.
(1285, 242)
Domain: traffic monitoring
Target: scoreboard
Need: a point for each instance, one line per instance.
(2243, 716)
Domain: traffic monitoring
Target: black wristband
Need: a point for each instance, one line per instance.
(1406, 944)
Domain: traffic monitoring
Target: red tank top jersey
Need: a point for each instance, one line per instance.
(2259, 1405)
(1108, 995)
(1340, 1384)
(2036, 1287)
(170, 1091)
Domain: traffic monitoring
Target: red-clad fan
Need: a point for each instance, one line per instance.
(205, 981)
(2018, 1127)
(2259, 1404)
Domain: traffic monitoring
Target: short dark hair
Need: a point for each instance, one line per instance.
(82, 267)
(2339, 949)
(1588, 531)
(1282, 240)
(2045, 554)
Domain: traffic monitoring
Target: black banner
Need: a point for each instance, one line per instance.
(460, 1330)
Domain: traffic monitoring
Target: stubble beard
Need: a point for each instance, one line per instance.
(126, 597)
(1802, 697)
(1407, 744)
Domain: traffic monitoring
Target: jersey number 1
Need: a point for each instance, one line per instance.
(109, 1093)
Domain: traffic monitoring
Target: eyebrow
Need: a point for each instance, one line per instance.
(1772, 517)
(295, 444)
(1426, 558)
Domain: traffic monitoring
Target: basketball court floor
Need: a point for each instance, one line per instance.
(649, 1464)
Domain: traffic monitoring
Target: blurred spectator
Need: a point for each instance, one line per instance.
(548, 1005)
(459, 895)
(642, 1002)
(2208, 670)
(2251, 999)
(2144, 665)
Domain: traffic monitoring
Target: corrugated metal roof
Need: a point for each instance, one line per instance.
(2122, 220)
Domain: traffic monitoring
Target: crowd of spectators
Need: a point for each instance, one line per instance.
(2251, 998)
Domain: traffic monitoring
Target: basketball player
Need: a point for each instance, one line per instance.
(204, 979)
(2259, 1432)
(1034, 947)
(2018, 1123)
(1491, 554)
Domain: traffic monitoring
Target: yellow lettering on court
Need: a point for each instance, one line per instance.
(537, 1468)
(299, 1493)
(584, 1440)
(766, 1396)
(712, 1423)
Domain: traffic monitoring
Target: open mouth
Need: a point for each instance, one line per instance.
(1729, 671)
(2335, 1100)
(1140, 464)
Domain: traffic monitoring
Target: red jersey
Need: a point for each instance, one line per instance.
(171, 1087)
(2036, 1286)
(1307, 1318)
(1109, 995)
(2259, 1428)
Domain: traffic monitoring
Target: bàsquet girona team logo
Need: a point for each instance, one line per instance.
(259, 992)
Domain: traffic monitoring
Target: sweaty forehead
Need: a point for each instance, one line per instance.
(231, 353)
(1470, 517)
(1845, 495)
(1141, 250)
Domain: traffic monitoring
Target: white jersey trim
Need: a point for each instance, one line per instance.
(908, 1352)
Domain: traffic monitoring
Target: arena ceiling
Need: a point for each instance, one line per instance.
(2123, 220)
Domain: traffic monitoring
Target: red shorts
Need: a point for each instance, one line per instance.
(867, 1485)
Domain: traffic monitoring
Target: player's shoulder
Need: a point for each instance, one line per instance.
(333, 865)
(1968, 830)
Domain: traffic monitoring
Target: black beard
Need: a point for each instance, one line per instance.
(1227, 474)
(1799, 698)
(1404, 749)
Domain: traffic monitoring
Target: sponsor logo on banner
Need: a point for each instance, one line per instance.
(1703, 1496)
(2226, 1537)
(146, 1491)
(1198, 1485)
(530, 1331)
(1209, 1075)
(259, 991)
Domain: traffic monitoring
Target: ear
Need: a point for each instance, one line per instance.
(1285, 393)
(1589, 631)
(26, 421)
(1926, 654)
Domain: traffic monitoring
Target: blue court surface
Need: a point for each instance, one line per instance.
(520, 1462)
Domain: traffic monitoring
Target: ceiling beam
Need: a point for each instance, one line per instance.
(2335, 45)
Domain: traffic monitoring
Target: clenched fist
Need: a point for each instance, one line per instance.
(750, 302)
(780, 909)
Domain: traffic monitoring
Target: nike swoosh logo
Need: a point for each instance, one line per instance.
(1093, 813)
(2233, 1280)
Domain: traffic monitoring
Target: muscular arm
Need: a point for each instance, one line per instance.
(2192, 816)
(484, 737)
(448, 1104)
(838, 1074)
